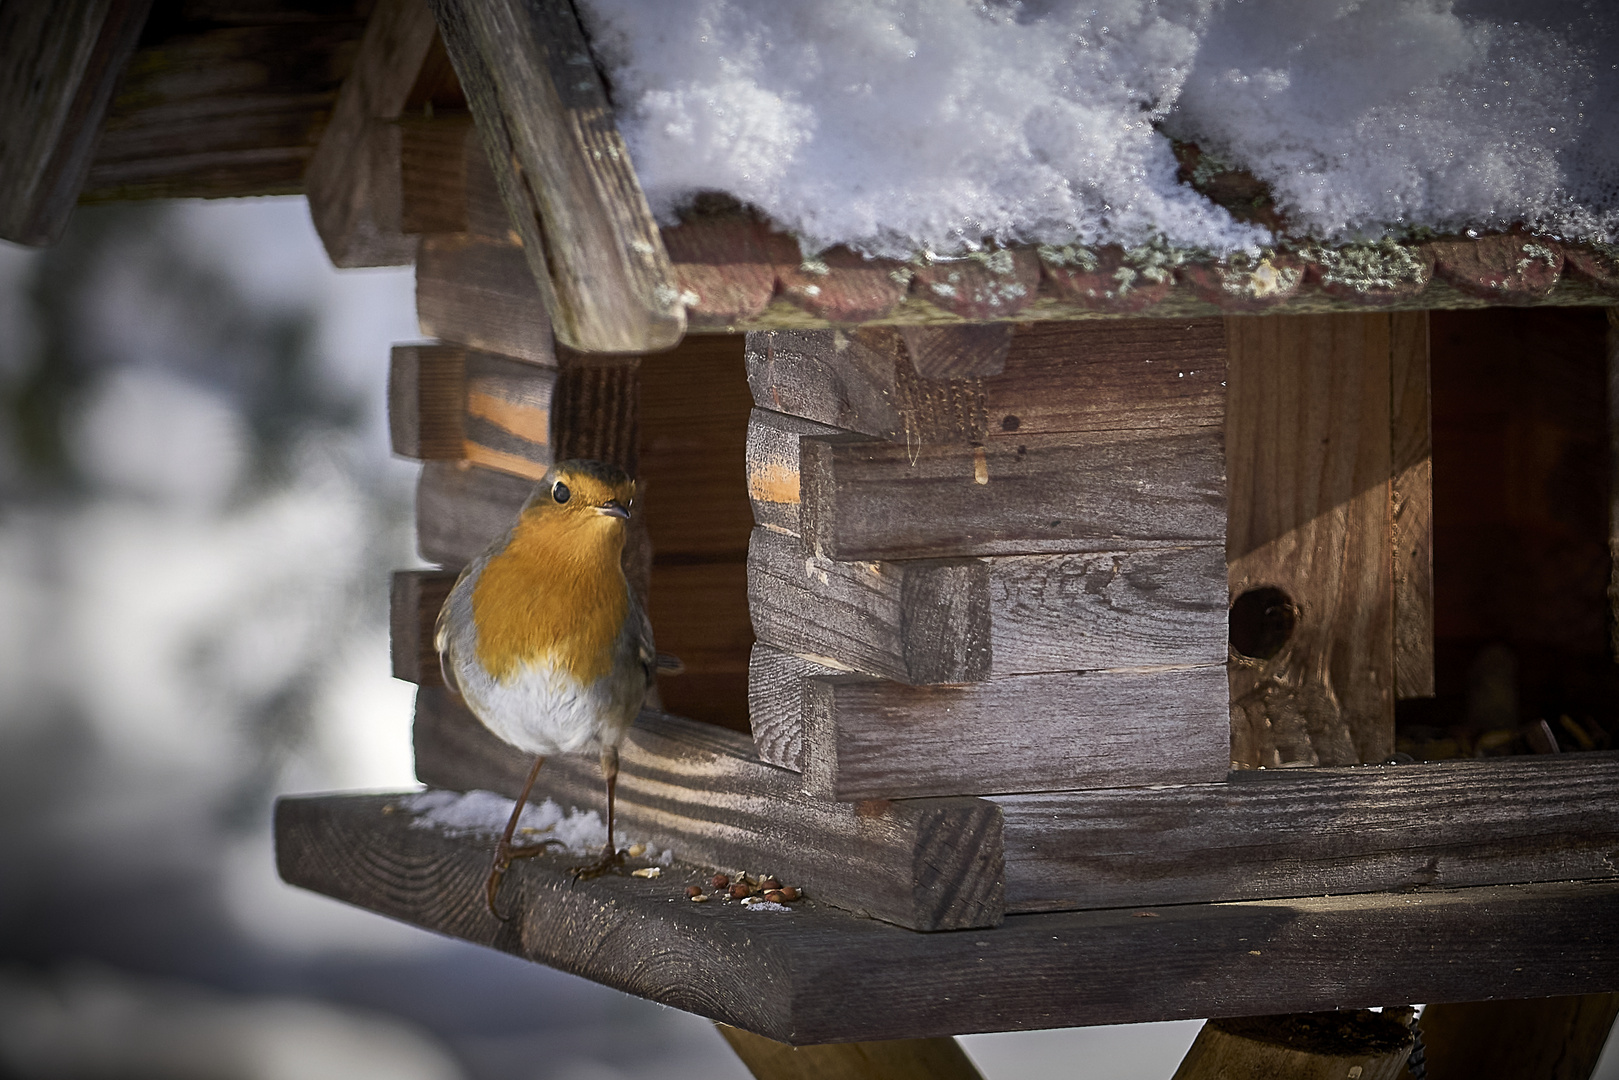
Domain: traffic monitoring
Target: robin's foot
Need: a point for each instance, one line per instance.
(610, 858)
(504, 854)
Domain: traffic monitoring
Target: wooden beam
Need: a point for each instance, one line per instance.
(1554, 1038)
(353, 179)
(1289, 832)
(957, 350)
(414, 600)
(1411, 505)
(449, 403)
(774, 476)
(460, 508)
(699, 612)
(478, 292)
(1304, 1046)
(564, 173)
(59, 63)
(776, 704)
(926, 864)
(897, 1059)
(963, 620)
(819, 973)
(865, 498)
(868, 738)
(1309, 547)
(1613, 480)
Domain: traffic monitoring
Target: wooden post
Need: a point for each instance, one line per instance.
(1360, 1045)
(1557, 1038)
(1613, 477)
(1411, 504)
(1308, 548)
(897, 1059)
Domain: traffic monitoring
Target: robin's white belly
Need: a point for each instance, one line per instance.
(542, 710)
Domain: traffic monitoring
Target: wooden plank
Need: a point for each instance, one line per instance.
(1411, 505)
(415, 597)
(564, 173)
(772, 466)
(821, 974)
(1558, 1038)
(59, 63)
(1058, 377)
(461, 508)
(1302, 1046)
(896, 1059)
(1285, 833)
(595, 409)
(957, 350)
(478, 292)
(449, 403)
(699, 612)
(447, 184)
(1613, 481)
(1308, 450)
(776, 703)
(868, 738)
(353, 179)
(932, 864)
(864, 498)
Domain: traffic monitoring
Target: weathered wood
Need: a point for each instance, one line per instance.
(864, 498)
(1553, 817)
(564, 173)
(1554, 1038)
(1411, 505)
(1057, 377)
(776, 703)
(898, 1059)
(1613, 480)
(819, 973)
(772, 467)
(699, 612)
(449, 403)
(962, 620)
(1307, 445)
(868, 738)
(1303, 1046)
(478, 292)
(415, 597)
(932, 864)
(595, 409)
(461, 508)
(59, 63)
(982, 285)
(447, 184)
(353, 179)
(957, 350)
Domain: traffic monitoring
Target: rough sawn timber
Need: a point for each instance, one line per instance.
(1411, 505)
(449, 403)
(819, 974)
(1295, 831)
(927, 864)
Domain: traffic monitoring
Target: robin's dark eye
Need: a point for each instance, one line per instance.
(560, 492)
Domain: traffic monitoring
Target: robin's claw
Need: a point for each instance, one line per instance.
(610, 859)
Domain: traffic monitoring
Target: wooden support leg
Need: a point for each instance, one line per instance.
(1556, 1038)
(1309, 1046)
(899, 1059)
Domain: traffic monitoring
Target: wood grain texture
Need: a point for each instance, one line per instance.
(699, 612)
(957, 350)
(447, 184)
(930, 864)
(1057, 377)
(1290, 832)
(868, 738)
(59, 63)
(897, 1059)
(353, 179)
(1555, 1038)
(596, 409)
(1309, 1046)
(821, 974)
(564, 173)
(864, 498)
(478, 292)
(461, 508)
(773, 468)
(1411, 505)
(449, 403)
(1307, 446)
(776, 703)
(414, 600)
(1613, 481)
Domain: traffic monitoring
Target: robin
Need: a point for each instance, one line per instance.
(545, 641)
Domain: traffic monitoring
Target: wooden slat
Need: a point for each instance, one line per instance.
(962, 620)
(819, 973)
(447, 185)
(478, 292)
(1307, 446)
(595, 409)
(773, 467)
(59, 63)
(1057, 377)
(957, 350)
(415, 598)
(1613, 481)
(1559, 1038)
(449, 403)
(1290, 832)
(932, 864)
(868, 738)
(776, 703)
(353, 178)
(897, 1059)
(460, 509)
(864, 498)
(564, 173)
(1411, 505)
(699, 612)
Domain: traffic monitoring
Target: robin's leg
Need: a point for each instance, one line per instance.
(611, 856)
(504, 851)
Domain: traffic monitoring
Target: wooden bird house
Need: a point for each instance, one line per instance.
(1087, 604)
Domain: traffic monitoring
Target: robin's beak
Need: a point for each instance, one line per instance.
(613, 508)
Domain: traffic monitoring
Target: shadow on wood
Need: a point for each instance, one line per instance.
(896, 1059)
(1558, 1038)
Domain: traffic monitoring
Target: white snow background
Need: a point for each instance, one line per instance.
(899, 126)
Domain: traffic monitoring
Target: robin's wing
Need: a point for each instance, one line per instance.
(443, 640)
(645, 651)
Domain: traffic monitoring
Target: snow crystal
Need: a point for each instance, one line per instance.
(483, 813)
(899, 126)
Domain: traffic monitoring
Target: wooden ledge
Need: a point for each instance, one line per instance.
(818, 974)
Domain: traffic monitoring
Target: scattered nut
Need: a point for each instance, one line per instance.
(720, 881)
(739, 891)
(788, 893)
(775, 896)
(636, 851)
(769, 884)
(694, 890)
(647, 872)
